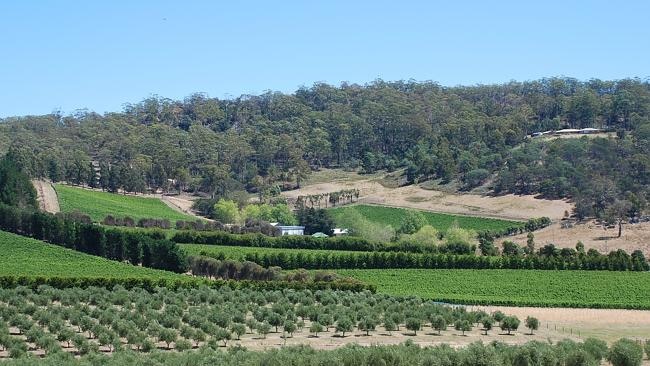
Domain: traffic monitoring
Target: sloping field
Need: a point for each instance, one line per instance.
(592, 289)
(414, 196)
(99, 204)
(23, 256)
(391, 216)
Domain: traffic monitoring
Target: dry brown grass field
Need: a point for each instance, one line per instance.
(414, 196)
(592, 235)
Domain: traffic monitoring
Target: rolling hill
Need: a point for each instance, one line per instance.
(23, 256)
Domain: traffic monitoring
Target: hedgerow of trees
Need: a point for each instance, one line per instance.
(76, 231)
(615, 261)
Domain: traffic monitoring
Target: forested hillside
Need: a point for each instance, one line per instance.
(261, 143)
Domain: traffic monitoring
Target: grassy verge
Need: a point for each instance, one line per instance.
(100, 204)
(589, 289)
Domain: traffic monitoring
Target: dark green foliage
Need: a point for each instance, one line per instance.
(316, 220)
(413, 324)
(290, 241)
(335, 259)
(532, 323)
(510, 323)
(150, 284)
(344, 325)
(65, 230)
(15, 187)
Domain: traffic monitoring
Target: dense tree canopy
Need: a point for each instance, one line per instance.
(256, 142)
(15, 187)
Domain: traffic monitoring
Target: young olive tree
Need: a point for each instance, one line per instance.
(439, 323)
(344, 325)
(463, 326)
(510, 323)
(413, 324)
(289, 327)
(315, 328)
(263, 328)
(389, 326)
(366, 324)
(532, 323)
(222, 334)
(167, 335)
(625, 352)
(487, 323)
(238, 329)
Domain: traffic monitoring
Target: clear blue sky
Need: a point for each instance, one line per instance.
(101, 54)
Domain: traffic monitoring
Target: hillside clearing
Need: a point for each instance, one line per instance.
(23, 256)
(508, 206)
(99, 204)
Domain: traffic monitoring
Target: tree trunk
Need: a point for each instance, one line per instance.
(620, 227)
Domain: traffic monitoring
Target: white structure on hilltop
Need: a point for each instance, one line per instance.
(568, 131)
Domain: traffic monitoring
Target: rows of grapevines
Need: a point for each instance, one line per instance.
(601, 289)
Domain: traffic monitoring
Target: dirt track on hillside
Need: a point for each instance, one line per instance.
(180, 203)
(48, 201)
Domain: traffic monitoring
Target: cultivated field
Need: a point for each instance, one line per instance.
(587, 289)
(76, 320)
(239, 253)
(100, 204)
(23, 256)
(391, 216)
